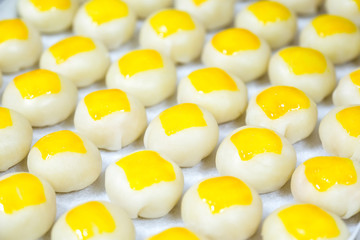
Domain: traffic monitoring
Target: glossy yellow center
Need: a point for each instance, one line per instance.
(176, 233)
(306, 221)
(168, 22)
(19, 191)
(224, 192)
(46, 5)
(5, 118)
(357, 2)
(71, 46)
(269, 12)
(199, 2)
(103, 11)
(59, 142)
(355, 78)
(279, 100)
(13, 29)
(349, 119)
(327, 25)
(89, 220)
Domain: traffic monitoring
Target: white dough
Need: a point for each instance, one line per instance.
(302, 7)
(344, 8)
(346, 92)
(144, 8)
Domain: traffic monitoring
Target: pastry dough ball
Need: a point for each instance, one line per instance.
(15, 138)
(348, 90)
(346, 8)
(20, 45)
(222, 208)
(270, 20)
(174, 33)
(303, 221)
(52, 156)
(258, 156)
(145, 184)
(78, 58)
(42, 96)
(1, 80)
(302, 7)
(239, 52)
(176, 233)
(144, 8)
(185, 133)
(94, 220)
(110, 21)
(223, 95)
(286, 110)
(48, 16)
(28, 206)
(328, 182)
(336, 37)
(110, 118)
(146, 74)
(304, 68)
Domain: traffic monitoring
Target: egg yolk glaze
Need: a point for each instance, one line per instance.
(221, 193)
(355, 78)
(279, 100)
(328, 25)
(5, 118)
(103, 11)
(20, 191)
(146, 168)
(90, 219)
(349, 119)
(13, 29)
(199, 2)
(176, 233)
(269, 12)
(46, 5)
(169, 22)
(307, 221)
(60, 142)
(357, 2)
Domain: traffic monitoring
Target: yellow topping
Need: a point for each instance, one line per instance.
(180, 117)
(279, 100)
(224, 192)
(89, 220)
(20, 191)
(46, 5)
(5, 118)
(139, 61)
(59, 142)
(349, 119)
(308, 222)
(327, 25)
(103, 11)
(269, 12)
(168, 22)
(355, 78)
(145, 168)
(71, 46)
(304, 60)
(357, 2)
(199, 2)
(105, 102)
(208, 80)
(176, 233)
(13, 29)
(253, 141)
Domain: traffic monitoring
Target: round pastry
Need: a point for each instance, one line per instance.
(336, 37)
(146, 74)
(304, 68)
(94, 220)
(348, 90)
(144, 184)
(176, 233)
(81, 59)
(110, 118)
(174, 33)
(185, 133)
(42, 96)
(302, 7)
(1, 80)
(28, 207)
(346, 8)
(286, 110)
(20, 45)
(48, 16)
(223, 95)
(144, 8)
(15, 138)
(303, 221)
(222, 208)
(110, 21)
(239, 52)
(257, 156)
(270, 20)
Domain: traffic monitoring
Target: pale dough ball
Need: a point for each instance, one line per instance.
(110, 21)
(223, 95)
(270, 20)
(145, 184)
(28, 207)
(110, 118)
(185, 133)
(346, 8)
(347, 91)
(81, 59)
(176, 233)
(94, 220)
(1, 80)
(239, 52)
(174, 33)
(20, 45)
(144, 8)
(304, 68)
(222, 208)
(146, 74)
(302, 7)
(43, 97)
